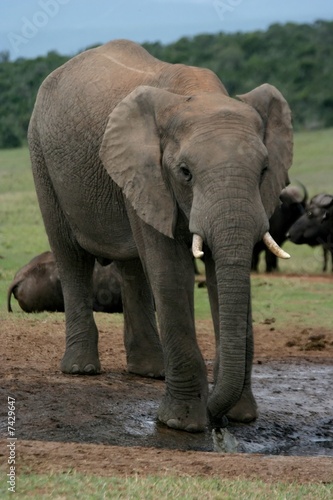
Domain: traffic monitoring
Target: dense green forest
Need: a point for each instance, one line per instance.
(297, 58)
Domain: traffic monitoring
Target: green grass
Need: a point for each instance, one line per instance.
(290, 301)
(22, 234)
(313, 161)
(72, 485)
(295, 301)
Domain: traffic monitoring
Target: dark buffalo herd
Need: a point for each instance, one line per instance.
(300, 222)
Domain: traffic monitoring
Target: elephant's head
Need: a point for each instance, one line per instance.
(223, 163)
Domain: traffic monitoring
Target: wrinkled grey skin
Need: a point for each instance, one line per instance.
(292, 207)
(37, 287)
(315, 227)
(130, 156)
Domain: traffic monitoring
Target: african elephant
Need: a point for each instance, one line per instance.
(132, 158)
(315, 227)
(292, 205)
(37, 287)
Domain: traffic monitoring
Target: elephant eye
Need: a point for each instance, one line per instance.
(309, 214)
(186, 173)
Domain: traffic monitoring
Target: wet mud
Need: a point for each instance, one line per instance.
(116, 408)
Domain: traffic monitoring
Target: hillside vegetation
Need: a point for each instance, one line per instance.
(297, 58)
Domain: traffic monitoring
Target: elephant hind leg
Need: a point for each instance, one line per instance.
(76, 270)
(81, 354)
(142, 343)
(75, 267)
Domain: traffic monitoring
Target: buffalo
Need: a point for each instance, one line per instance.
(293, 201)
(315, 227)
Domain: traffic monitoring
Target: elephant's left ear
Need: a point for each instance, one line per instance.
(278, 139)
(131, 153)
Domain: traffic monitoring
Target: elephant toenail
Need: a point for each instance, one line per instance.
(89, 369)
(193, 428)
(173, 423)
(75, 369)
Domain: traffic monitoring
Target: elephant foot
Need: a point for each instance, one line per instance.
(146, 363)
(147, 370)
(245, 410)
(187, 415)
(85, 363)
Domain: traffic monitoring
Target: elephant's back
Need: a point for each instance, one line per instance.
(85, 89)
(117, 67)
(130, 56)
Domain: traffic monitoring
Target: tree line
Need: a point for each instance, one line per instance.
(296, 58)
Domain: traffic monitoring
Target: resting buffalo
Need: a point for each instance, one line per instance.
(37, 287)
(293, 200)
(315, 227)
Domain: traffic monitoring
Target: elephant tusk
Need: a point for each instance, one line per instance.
(274, 247)
(197, 243)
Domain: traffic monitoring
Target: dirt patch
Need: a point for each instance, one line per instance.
(308, 278)
(46, 457)
(107, 425)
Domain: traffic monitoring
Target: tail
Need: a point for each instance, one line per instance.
(16, 281)
(9, 296)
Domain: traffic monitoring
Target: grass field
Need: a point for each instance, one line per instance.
(22, 236)
(63, 486)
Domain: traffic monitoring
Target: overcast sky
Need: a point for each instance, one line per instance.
(29, 28)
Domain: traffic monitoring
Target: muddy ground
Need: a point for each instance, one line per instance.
(106, 424)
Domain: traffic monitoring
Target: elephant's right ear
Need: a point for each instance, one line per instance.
(131, 153)
(278, 139)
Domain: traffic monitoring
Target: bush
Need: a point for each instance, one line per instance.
(10, 136)
(296, 58)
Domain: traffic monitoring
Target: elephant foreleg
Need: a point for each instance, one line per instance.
(169, 266)
(142, 343)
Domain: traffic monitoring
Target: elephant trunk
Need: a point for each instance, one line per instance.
(232, 267)
(231, 237)
(235, 336)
